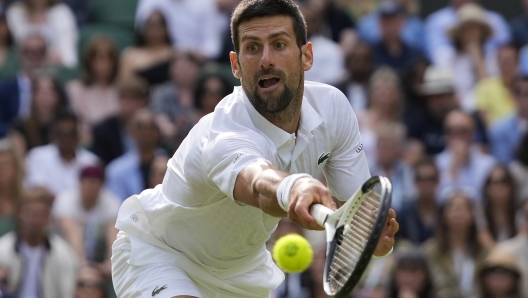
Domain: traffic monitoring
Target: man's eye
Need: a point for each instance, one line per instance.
(252, 48)
(280, 45)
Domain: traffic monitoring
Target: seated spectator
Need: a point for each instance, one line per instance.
(55, 21)
(90, 283)
(201, 37)
(154, 47)
(411, 32)
(499, 206)
(329, 67)
(210, 90)
(391, 50)
(462, 164)
(519, 26)
(86, 217)
(412, 82)
(172, 101)
(418, 218)
(48, 100)
(8, 59)
(390, 142)
(110, 139)
(158, 168)
(359, 67)
(518, 248)
(411, 276)
(455, 252)
(4, 291)
(494, 98)
(438, 23)
(94, 96)
(506, 133)
(129, 174)
(468, 59)
(11, 176)
(519, 169)
(39, 263)
(57, 166)
(499, 276)
(15, 93)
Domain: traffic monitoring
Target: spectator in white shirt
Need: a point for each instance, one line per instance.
(57, 166)
(439, 22)
(193, 24)
(86, 216)
(55, 21)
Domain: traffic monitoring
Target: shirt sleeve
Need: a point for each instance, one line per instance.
(230, 153)
(347, 168)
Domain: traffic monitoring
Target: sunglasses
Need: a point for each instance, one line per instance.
(432, 178)
(501, 180)
(90, 284)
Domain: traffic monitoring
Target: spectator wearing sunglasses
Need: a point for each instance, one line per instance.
(57, 166)
(90, 283)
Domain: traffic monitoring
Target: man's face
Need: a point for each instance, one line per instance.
(458, 129)
(33, 219)
(508, 61)
(391, 27)
(65, 135)
(441, 104)
(270, 65)
(90, 188)
(33, 53)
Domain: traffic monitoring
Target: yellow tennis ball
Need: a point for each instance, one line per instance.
(292, 253)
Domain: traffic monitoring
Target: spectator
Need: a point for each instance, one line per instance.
(499, 205)
(8, 60)
(438, 23)
(418, 217)
(412, 81)
(86, 217)
(40, 264)
(385, 106)
(158, 167)
(53, 20)
(462, 164)
(518, 248)
(455, 252)
(209, 91)
(390, 142)
(4, 291)
(499, 276)
(11, 176)
(329, 67)
(48, 100)
(154, 47)
(506, 133)
(360, 65)
(468, 60)
(494, 98)
(172, 102)
(15, 93)
(519, 169)
(519, 26)
(129, 174)
(90, 283)
(94, 96)
(392, 50)
(192, 24)
(110, 139)
(411, 276)
(57, 166)
(411, 32)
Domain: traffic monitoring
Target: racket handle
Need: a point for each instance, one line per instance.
(320, 213)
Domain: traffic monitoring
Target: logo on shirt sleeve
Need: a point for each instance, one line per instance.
(237, 157)
(360, 148)
(323, 157)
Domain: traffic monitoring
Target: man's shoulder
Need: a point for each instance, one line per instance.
(44, 151)
(322, 93)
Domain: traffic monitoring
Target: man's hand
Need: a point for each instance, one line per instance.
(386, 241)
(304, 193)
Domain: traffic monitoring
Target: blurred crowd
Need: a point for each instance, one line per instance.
(96, 96)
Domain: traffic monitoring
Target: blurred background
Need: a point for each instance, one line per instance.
(96, 96)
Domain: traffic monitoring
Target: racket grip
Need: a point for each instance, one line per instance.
(320, 213)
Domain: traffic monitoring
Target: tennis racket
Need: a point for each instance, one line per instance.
(352, 234)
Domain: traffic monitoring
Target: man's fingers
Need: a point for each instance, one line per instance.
(394, 226)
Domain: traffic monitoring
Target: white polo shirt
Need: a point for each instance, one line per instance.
(193, 211)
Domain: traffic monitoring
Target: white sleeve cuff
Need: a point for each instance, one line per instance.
(380, 257)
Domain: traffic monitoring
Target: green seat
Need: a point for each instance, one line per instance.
(121, 36)
(116, 12)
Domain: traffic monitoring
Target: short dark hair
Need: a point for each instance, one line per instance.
(249, 9)
(64, 115)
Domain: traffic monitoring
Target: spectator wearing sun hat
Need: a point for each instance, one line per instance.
(499, 276)
(86, 216)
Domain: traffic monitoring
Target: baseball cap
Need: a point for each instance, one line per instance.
(93, 172)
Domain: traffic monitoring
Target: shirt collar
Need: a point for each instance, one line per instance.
(310, 120)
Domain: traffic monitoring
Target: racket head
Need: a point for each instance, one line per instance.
(356, 237)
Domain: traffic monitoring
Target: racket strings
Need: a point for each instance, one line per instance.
(352, 242)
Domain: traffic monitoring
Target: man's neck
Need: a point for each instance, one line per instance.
(88, 204)
(394, 46)
(146, 155)
(67, 155)
(34, 241)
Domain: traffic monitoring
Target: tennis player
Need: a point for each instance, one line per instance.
(202, 232)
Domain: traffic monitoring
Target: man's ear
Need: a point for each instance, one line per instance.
(235, 67)
(307, 56)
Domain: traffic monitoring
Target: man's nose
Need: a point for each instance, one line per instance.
(267, 57)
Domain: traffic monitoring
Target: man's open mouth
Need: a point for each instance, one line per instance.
(265, 83)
